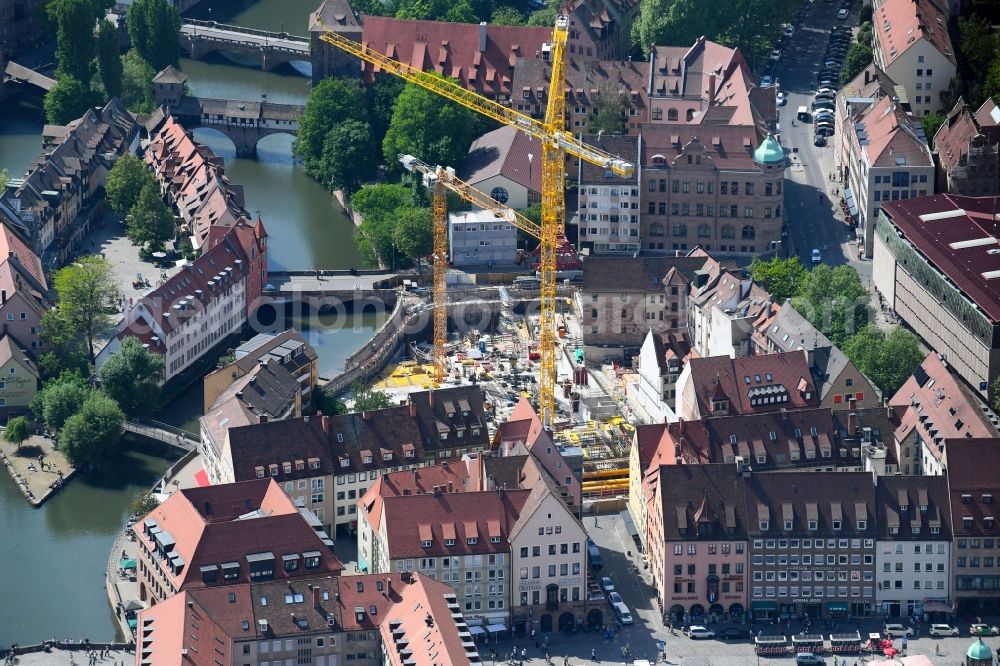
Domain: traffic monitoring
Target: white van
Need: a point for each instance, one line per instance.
(802, 113)
(622, 612)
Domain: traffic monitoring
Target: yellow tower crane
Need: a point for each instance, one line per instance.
(555, 140)
(437, 180)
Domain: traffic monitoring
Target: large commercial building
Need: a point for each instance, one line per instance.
(609, 205)
(937, 266)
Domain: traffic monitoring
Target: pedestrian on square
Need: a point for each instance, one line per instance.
(593, 654)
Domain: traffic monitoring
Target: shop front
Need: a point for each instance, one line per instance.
(763, 610)
(837, 609)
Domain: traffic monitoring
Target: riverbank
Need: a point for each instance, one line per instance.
(70, 652)
(38, 469)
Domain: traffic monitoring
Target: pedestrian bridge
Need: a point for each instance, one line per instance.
(270, 49)
(163, 432)
(244, 122)
(21, 74)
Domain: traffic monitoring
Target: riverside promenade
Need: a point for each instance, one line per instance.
(39, 469)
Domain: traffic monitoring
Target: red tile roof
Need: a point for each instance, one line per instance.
(726, 146)
(891, 137)
(939, 407)
(973, 470)
(751, 382)
(504, 152)
(12, 247)
(446, 476)
(975, 270)
(422, 621)
(899, 24)
(481, 58)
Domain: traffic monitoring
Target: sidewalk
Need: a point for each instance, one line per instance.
(38, 469)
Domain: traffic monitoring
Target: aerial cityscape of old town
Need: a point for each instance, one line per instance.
(508, 332)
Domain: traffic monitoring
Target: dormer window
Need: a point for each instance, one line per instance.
(836, 525)
(444, 436)
(987, 498)
(813, 432)
(425, 544)
(862, 525)
(763, 525)
(798, 433)
(788, 526)
(967, 522)
(732, 439)
(472, 541)
(762, 458)
(774, 436)
(449, 542)
(988, 521)
(409, 454)
(894, 529)
(966, 498)
(272, 470)
(387, 456)
(367, 460)
(314, 463)
(345, 462)
(935, 530)
(260, 472)
(813, 525)
(495, 539)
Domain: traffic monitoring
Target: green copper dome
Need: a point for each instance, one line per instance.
(769, 152)
(979, 651)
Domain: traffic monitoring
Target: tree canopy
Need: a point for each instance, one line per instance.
(413, 233)
(74, 21)
(377, 204)
(131, 377)
(782, 278)
(430, 127)
(858, 57)
(18, 429)
(142, 504)
(68, 100)
(349, 156)
(86, 289)
(331, 102)
(59, 399)
(154, 27)
(92, 433)
(367, 399)
(109, 59)
(149, 220)
(126, 181)
(885, 359)
(834, 301)
(137, 83)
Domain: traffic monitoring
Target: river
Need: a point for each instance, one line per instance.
(52, 559)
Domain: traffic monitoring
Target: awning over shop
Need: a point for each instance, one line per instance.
(852, 206)
(132, 623)
(836, 607)
(937, 607)
(763, 605)
(496, 628)
(475, 631)
(127, 564)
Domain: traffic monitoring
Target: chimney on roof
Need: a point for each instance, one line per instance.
(413, 409)
(852, 423)
(868, 76)
(784, 415)
(430, 397)
(482, 37)
(451, 487)
(317, 597)
(711, 89)
(3, 296)
(208, 508)
(262, 418)
(325, 421)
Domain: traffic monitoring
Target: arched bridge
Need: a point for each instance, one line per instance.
(245, 123)
(271, 49)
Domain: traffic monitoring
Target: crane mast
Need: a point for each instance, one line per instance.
(556, 142)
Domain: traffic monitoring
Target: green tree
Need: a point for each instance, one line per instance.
(349, 156)
(885, 359)
(86, 288)
(4, 179)
(142, 504)
(782, 278)
(367, 399)
(609, 110)
(74, 21)
(59, 399)
(331, 102)
(379, 202)
(92, 433)
(149, 220)
(68, 100)
(137, 83)
(834, 301)
(131, 377)
(866, 14)
(979, 46)
(930, 124)
(126, 181)
(545, 18)
(67, 353)
(413, 232)
(995, 390)
(154, 27)
(18, 429)
(991, 87)
(436, 130)
(858, 57)
(380, 98)
(460, 12)
(327, 403)
(507, 15)
(109, 59)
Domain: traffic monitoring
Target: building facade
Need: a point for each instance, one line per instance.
(22, 25)
(480, 238)
(935, 266)
(608, 216)
(967, 146)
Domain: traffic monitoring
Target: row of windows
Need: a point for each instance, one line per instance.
(887, 567)
(725, 548)
(896, 195)
(713, 569)
(564, 570)
(926, 549)
(813, 574)
(564, 548)
(563, 596)
(898, 585)
(974, 561)
(793, 560)
(726, 586)
(809, 543)
(811, 592)
(975, 543)
(726, 187)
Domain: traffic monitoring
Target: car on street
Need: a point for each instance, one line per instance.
(819, 141)
(825, 130)
(789, 30)
(823, 105)
(781, 99)
(942, 630)
(622, 612)
(893, 630)
(766, 80)
(615, 598)
(825, 89)
(734, 634)
(842, 14)
(816, 256)
(607, 585)
(697, 631)
(776, 54)
(809, 659)
(802, 113)
(983, 630)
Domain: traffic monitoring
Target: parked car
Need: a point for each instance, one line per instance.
(780, 99)
(734, 634)
(942, 630)
(825, 89)
(607, 585)
(776, 54)
(983, 630)
(697, 631)
(789, 30)
(842, 14)
(766, 80)
(809, 659)
(621, 611)
(825, 130)
(819, 141)
(893, 630)
(816, 256)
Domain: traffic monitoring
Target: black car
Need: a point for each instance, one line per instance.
(819, 141)
(734, 634)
